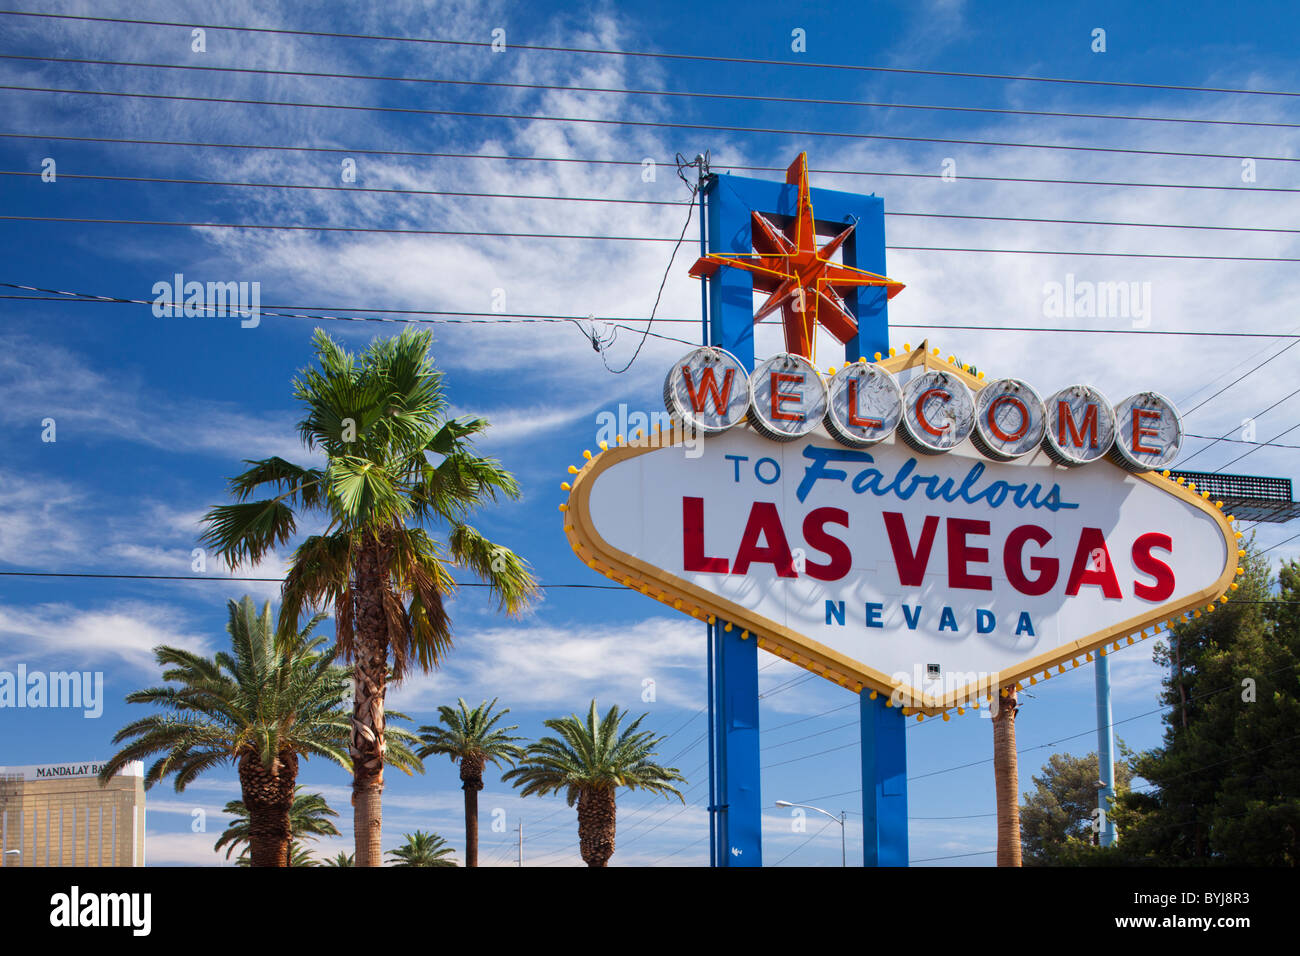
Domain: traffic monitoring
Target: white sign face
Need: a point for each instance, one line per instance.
(1080, 425)
(787, 397)
(880, 564)
(708, 389)
(938, 412)
(864, 405)
(1009, 419)
(1149, 432)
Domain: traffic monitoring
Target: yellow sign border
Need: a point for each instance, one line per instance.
(816, 657)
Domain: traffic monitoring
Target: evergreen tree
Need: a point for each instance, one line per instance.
(1057, 820)
(1221, 789)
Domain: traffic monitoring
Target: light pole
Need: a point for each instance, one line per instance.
(840, 820)
(9, 853)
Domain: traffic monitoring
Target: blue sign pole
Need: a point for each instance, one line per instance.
(1105, 751)
(736, 801)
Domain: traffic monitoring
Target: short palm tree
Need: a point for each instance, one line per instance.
(472, 739)
(309, 817)
(340, 859)
(422, 849)
(299, 855)
(589, 761)
(274, 697)
(394, 462)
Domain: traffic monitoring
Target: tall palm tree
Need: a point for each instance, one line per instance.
(590, 760)
(309, 817)
(1006, 772)
(299, 855)
(274, 697)
(393, 464)
(422, 849)
(472, 739)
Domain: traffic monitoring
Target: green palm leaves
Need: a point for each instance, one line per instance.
(594, 754)
(309, 817)
(471, 734)
(422, 849)
(273, 692)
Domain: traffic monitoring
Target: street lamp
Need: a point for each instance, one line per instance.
(9, 853)
(840, 820)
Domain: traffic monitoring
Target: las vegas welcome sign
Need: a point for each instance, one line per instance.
(903, 525)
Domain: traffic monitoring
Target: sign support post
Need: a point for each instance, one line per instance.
(1105, 752)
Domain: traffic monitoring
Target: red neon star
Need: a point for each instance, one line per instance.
(799, 278)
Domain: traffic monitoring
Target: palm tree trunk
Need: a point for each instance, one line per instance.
(370, 677)
(471, 772)
(1006, 772)
(597, 810)
(268, 797)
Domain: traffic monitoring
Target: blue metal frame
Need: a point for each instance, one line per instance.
(735, 799)
(1105, 749)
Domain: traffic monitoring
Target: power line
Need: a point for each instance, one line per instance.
(427, 154)
(1241, 441)
(623, 91)
(1258, 446)
(643, 124)
(383, 230)
(654, 55)
(805, 842)
(195, 577)
(58, 295)
(98, 177)
(1239, 378)
(1231, 430)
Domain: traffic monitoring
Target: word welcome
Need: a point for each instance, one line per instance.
(862, 404)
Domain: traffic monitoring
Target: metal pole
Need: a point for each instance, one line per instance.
(844, 856)
(1105, 751)
(521, 842)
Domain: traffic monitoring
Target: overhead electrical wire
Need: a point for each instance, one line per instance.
(695, 57)
(641, 124)
(302, 311)
(429, 154)
(1222, 437)
(624, 91)
(382, 230)
(98, 177)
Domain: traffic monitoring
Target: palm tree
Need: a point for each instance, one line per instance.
(471, 738)
(299, 855)
(378, 417)
(1006, 773)
(273, 698)
(589, 761)
(309, 817)
(422, 849)
(341, 859)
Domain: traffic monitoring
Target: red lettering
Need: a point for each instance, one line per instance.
(1147, 563)
(920, 411)
(779, 397)
(1093, 542)
(709, 385)
(693, 558)
(960, 555)
(1024, 417)
(814, 532)
(764, 521)
(911, 563)
(854, 418)
(1013, 559)
(1139, 431)
(1065, 417)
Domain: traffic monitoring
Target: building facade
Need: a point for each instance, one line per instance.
(59, 815)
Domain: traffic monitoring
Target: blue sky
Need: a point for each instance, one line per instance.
(153, 414)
